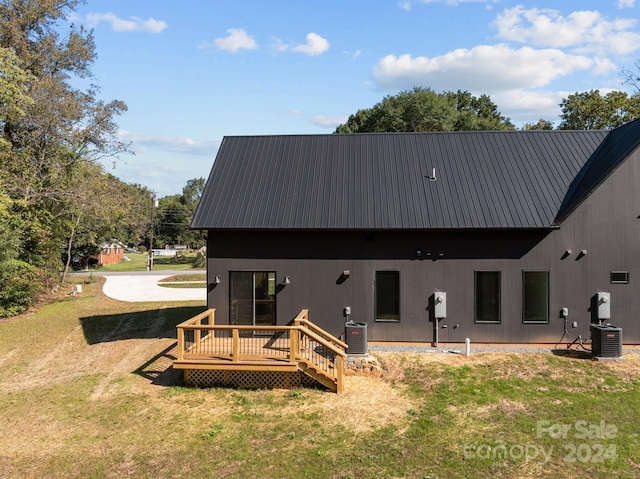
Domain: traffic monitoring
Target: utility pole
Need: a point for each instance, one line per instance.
(153, 214)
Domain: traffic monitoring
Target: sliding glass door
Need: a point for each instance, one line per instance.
(252, 298)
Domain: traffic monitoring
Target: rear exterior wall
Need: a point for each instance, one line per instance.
(606, 226)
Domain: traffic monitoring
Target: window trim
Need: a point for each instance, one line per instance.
(375, 297)
(475, 296)
(530, 321)
(618, 271)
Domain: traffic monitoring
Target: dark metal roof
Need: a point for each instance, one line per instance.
(618, 144)
(516, 179)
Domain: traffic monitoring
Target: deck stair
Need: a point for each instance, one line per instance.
(262, 356)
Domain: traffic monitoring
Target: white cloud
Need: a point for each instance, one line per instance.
(237, 40)
(328, 121)
(530, 106)
(134, 24)
(582, 31)
(315, 45)
(353, 55)
(485, 68)
(279, 46)
(626, 3)
(181, 144)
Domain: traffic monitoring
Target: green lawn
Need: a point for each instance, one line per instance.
(138, 262)
(86, 391)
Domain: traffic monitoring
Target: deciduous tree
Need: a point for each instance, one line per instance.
(421, 109)
(590, 110)
(51, 130)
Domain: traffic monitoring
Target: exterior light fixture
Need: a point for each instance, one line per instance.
(286, 280)
(216, 280)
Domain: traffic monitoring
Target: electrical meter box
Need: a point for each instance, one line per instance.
(440, 305)
(603, 302)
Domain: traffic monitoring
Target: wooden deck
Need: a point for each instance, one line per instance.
(301, 348)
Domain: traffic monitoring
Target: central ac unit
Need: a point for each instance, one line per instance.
(606, 341)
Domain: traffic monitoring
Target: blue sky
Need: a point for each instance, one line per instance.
(193, 72)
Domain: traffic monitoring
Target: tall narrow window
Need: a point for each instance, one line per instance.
(387, 289)
(487, 301)
(535, 296)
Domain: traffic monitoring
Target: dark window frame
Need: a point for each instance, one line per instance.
(253, 298)
(375, 297)
(524, 296)
(498, 319)
(619, 271)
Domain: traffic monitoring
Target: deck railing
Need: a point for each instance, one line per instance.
(205, 345)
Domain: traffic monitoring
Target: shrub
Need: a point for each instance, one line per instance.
(19, 286)
(200, 261)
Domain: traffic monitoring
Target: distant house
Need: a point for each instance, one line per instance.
(110, 254)
(515, 227)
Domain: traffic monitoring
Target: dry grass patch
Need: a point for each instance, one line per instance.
(366, 404)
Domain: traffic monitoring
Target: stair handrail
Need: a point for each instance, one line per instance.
(324, 342)
(302, 320)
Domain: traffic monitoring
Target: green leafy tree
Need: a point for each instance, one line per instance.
(137, 228)
(593, 111)
(421, 109)
(175, 213)
(19, 281)
(14, 85)
(171, 223)
(99, 209)
(539, 125)
(51, 133)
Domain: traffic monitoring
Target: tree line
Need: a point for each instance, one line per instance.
(422, 109)
(57, 201)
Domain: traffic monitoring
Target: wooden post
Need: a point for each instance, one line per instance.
(180, 344)
(197, 337)
(235, 346)
(339, 374)
(294, 345)
(212, 314)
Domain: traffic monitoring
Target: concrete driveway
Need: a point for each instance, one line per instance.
(141, 287)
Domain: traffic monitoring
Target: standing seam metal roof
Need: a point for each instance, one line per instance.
(496, 179)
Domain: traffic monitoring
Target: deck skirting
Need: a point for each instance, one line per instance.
(248, 379)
